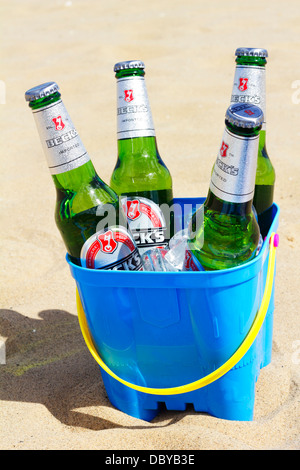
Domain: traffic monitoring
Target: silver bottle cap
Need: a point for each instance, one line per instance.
(251, 51)
(41, 91)
(244, 115)
(129, 64)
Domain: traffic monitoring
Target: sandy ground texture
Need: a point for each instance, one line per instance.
(52, 395)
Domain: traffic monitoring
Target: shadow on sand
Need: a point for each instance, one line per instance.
(47, 362)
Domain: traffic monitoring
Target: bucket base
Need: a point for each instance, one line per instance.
(231, 397)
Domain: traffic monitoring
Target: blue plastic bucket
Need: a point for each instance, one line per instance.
(153, 333)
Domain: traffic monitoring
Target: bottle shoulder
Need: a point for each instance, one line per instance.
(87, 196)
(223, 224)
(265, 172)
(148, 176)
(139, 164)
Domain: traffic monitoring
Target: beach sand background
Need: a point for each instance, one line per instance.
(52, 396)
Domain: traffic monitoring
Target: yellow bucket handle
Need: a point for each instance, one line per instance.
(216, 374)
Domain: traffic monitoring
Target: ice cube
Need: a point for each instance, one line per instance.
(178, 237)
(175, 256)
(154, 260)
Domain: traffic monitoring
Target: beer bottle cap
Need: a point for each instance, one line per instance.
(251, 51)
(129, 64)
(41, 91)
(244, 115)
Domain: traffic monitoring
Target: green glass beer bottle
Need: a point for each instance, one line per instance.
(140, 175)
(87, 213)
(250, 87)
(224, 232)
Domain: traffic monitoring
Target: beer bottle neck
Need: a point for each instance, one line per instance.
(249, 85)
(135, 128)
(246, 132)
(233, 179)
(68, 160)
(137, 147)
(251, 60)
(46, 101)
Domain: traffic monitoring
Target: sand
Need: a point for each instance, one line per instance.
(52, 395)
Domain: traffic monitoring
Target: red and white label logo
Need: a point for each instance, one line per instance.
(243, 86)
(112, 249)
(128, 95)
(249, 112)
(146, 221)
(133, 209)
(108, 243)
(223, 149)
(58, 122)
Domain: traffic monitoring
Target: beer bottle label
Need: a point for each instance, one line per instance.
(62, 145)
(146, 222)
(111, 249)
(249, 86)
(233, 177)
(134, 118)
